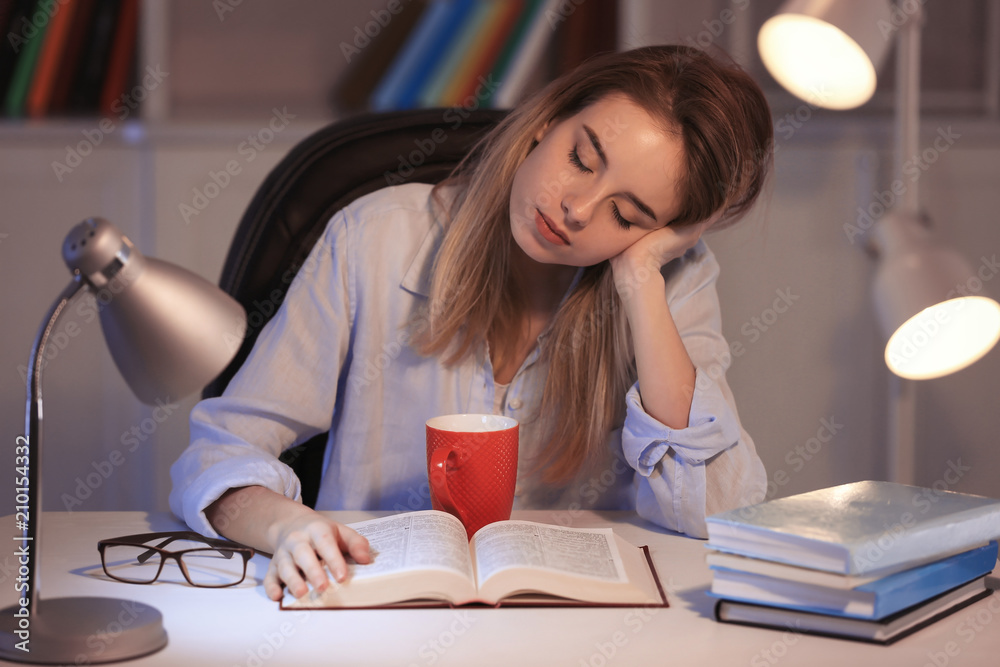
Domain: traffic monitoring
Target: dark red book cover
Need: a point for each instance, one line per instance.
(122, 54)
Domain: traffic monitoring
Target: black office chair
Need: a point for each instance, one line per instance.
(319, 176)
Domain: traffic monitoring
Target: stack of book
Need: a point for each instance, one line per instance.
(68, 57)
(871, 561)
(469, 53)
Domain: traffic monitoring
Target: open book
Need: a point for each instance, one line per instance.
(425, 558)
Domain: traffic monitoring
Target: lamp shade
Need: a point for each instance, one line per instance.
(936, 323)
(827, 52)
(169, 331)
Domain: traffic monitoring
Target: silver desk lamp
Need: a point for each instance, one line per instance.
(170, 332)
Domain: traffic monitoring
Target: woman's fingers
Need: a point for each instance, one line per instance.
(284, 572)
(308, 564)
(272, 582)
(326, 543)
(308, 551)
(354, 544)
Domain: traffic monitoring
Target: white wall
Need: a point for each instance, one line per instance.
(85, 397)
(822, 359)
(103, 449)
(812, 371)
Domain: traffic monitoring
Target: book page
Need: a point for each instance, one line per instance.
(416, 556)
(581, 552)
(417, 541)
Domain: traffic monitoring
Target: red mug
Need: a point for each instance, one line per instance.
(472, 467)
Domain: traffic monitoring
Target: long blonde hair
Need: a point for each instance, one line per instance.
(725, 124)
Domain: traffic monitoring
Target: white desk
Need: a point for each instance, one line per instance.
(239, 626)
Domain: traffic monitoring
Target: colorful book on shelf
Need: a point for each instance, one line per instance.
(872, 600)
(527, 56)
(368, 65)
(501, 64)
(418, 58)
(86, 92)
(13, 17)
(27, 46)
(43, 79)
(883, 631)
(466, 34)
(477, 65)
(421, 38)
(121, 57)
(858, 528)
(72, 55)
(438, 55)
(425, 558)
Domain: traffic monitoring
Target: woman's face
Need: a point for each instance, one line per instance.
(596, 183)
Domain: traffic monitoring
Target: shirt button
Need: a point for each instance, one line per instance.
(515, 404)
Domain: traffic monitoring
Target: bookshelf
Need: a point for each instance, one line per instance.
(70, 59)
(227, 63)
(236, 64)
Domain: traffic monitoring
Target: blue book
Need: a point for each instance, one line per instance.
(455, 53)
(873, 600)
(387, 92)
(417, 59)
(858, 528)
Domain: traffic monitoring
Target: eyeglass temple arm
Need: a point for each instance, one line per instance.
(146, 555)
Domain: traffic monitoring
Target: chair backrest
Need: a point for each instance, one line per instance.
(319, 176)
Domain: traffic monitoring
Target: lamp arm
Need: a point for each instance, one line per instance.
(902, 393)
(30, 526)
(907, 112)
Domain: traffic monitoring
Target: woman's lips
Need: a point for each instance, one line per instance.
(548, 231)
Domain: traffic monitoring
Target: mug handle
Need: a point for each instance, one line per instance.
(443, 459)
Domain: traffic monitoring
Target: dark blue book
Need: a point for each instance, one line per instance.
(883, 631)
(417, 59)
(873, 600)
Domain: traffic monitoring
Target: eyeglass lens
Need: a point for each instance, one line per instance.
(206, 566)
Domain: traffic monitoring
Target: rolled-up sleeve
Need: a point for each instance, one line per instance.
(283, 394)
(711, 465)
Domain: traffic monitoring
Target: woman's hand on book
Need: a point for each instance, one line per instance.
(306, 543)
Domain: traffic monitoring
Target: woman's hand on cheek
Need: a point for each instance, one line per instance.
(637, 264)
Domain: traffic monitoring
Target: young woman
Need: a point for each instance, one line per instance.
(557, 278)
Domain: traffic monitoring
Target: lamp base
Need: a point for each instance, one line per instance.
(81, 630)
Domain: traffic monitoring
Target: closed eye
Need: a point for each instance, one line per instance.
(622, 222)
(574, 158)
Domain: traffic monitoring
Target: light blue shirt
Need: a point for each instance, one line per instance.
(337, 356)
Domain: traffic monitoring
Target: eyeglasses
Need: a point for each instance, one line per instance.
(205, 562)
